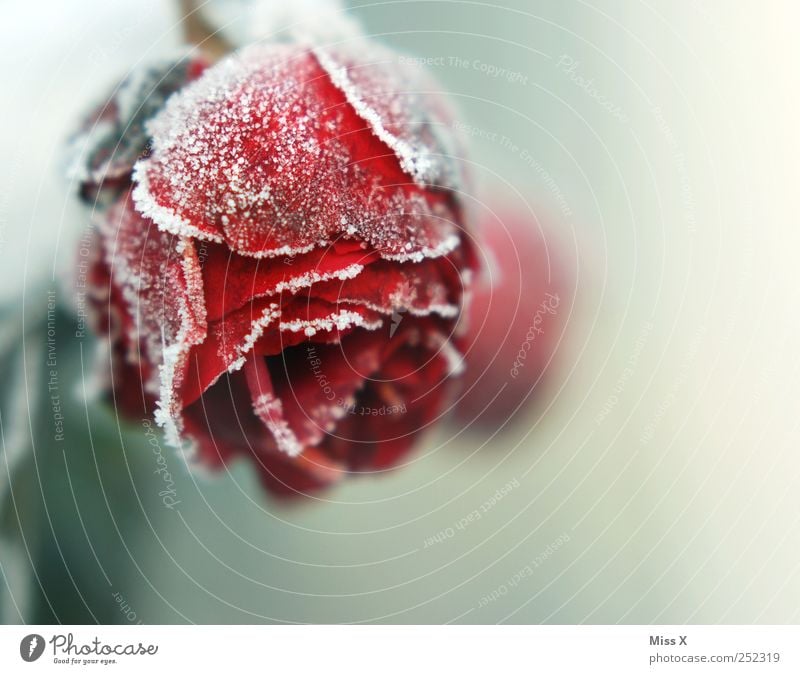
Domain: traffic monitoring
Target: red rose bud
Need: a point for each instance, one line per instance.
(284, 277)
(113, 138)
(518, 308)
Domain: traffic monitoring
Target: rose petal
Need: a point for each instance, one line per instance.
(268, 407)
(267, 328)
(317, 383)
(402, 105)
(159, 279)
(265, 153)
(231, 280)
(225, 426)
(518, 308)
(110, 317)
(113, 137)
(387, 287)
(310, 472)
(222, 424)
(391, 411)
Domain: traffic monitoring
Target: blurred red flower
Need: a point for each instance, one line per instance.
(517, 307)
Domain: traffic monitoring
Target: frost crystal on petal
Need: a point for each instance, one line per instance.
(159, 279)
(270, 153)
(114, 137)
(401, 104)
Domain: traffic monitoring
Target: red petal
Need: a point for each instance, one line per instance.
(113, 137)
(517, 320)
(317, 383)
(231, 280)
(265, 153)
(268, 328)
(224, 425)
(268, 407)
(403, 399)
(387, 286)
(159, 279)
(310, 472)
(403, 106)
(110, 317)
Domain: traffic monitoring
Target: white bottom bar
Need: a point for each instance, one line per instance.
(349, 649)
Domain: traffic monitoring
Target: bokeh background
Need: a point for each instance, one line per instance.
(655, 479)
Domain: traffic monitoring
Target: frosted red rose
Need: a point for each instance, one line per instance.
(283, 270)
